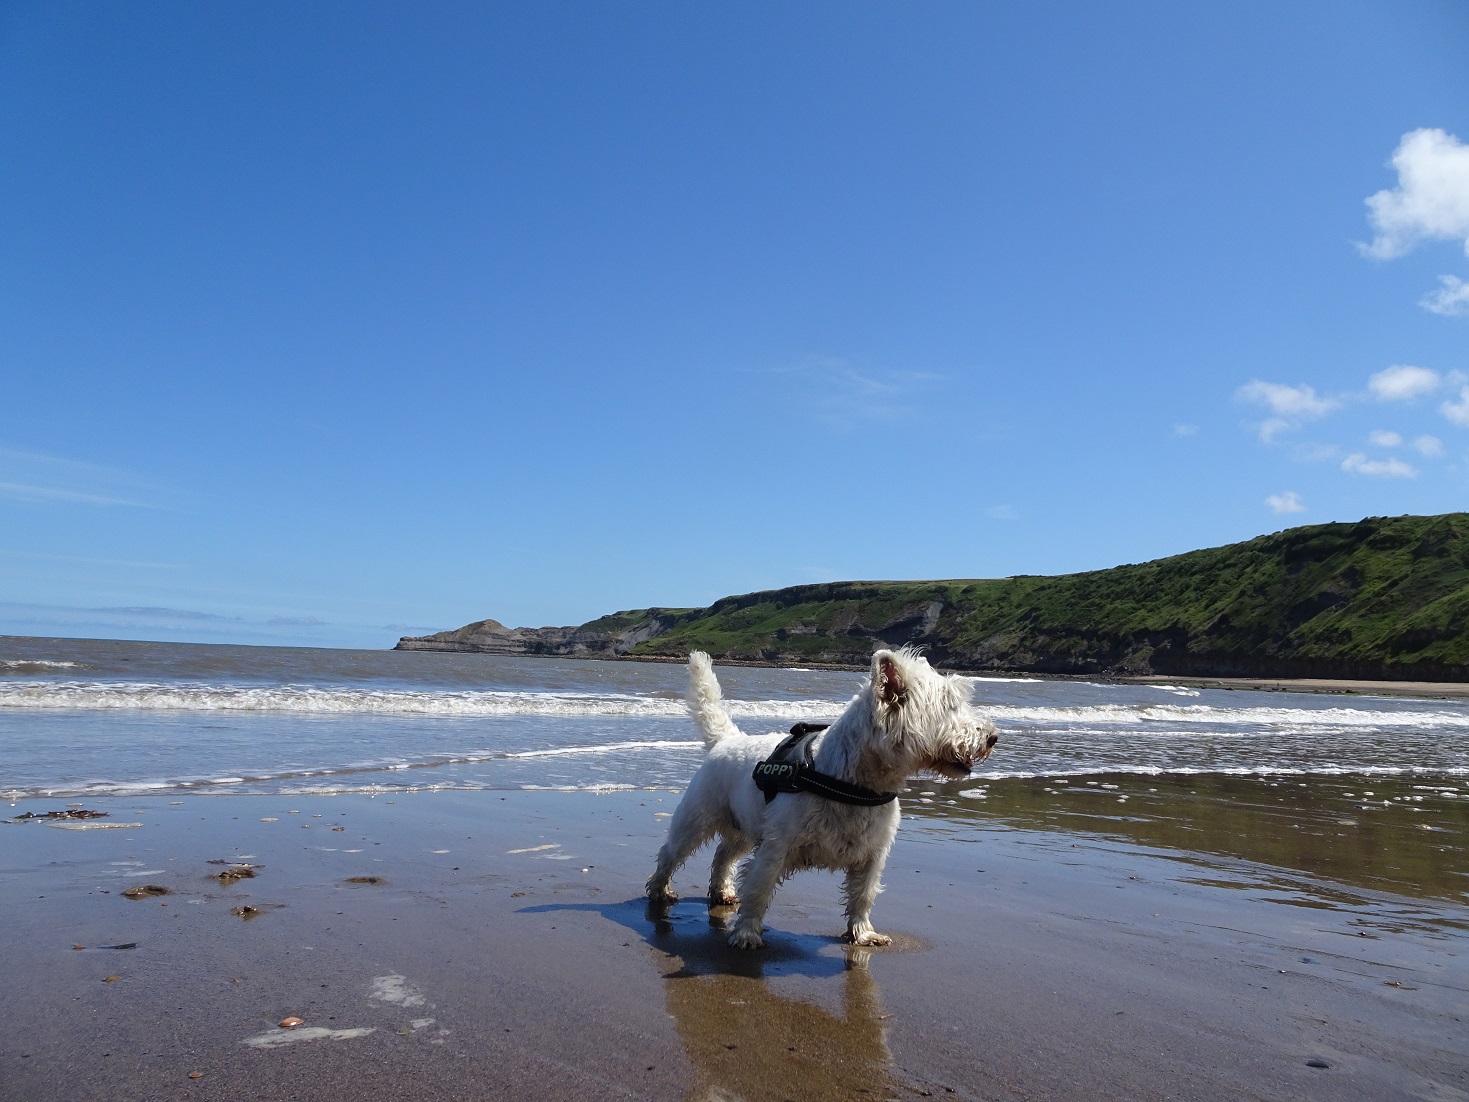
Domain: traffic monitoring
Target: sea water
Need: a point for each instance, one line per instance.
(1366, 791)
(93, 717)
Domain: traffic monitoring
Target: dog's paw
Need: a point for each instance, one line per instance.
(662, 897)
(744, 938)
(869, 937)
(723, 899)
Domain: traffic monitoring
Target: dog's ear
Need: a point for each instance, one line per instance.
(888, 681)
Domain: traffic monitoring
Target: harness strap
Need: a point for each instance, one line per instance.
(804, 728)
(790, 769)
(834, 788)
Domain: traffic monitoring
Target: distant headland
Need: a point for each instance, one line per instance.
(1386, 598)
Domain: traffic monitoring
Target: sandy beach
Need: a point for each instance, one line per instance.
(498, 947)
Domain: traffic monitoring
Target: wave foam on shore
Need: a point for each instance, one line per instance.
(327, 700)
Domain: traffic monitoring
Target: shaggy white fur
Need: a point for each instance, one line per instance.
(907, 719)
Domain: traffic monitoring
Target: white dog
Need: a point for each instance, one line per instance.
(828, 800)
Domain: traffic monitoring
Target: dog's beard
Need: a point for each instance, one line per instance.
(953, 770)
(958, 764)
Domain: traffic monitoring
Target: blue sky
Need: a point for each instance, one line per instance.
(323, 323)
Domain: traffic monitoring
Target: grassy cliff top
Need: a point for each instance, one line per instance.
(1385, 597)
(1386, 593)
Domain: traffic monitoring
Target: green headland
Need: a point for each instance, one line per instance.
(1384, 598)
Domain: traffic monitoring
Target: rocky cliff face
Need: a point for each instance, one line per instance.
(598, 639)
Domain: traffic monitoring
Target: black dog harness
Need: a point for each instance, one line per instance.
(791, 769)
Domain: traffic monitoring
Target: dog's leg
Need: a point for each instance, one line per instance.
(758, 881)
(686, 832)
(722, 876)
(863, 883)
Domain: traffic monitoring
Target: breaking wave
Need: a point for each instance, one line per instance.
(143, 695)
(343, 700)
(367, 779)
(330, 779)
(1198, 714)
(1229, 771)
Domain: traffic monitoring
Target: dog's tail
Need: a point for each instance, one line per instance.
(707, 702)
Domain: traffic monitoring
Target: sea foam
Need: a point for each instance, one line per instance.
(157, 696)
(326, 700)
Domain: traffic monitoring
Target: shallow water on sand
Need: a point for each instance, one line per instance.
(1374, 791)
(1380, 834)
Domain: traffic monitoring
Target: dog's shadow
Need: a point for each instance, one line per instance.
(746, 1039)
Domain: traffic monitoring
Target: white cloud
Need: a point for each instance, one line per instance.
(1458, 412)
(1271, 428)
(1002, 512)
(1450, 300)
(1400, 382)
(88, 560)
(20, 491)
(1431, 200)
(1314, 453)
(1185, 429)
(844, 396)
(1288, 502)
(1430, 447)
(1357, 463)
(54, 480)
(1287, 401)
(1384, 439)
(1291, 405)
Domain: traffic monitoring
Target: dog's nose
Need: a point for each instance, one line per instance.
(989, 743)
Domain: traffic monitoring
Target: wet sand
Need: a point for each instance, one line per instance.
(1047, 946)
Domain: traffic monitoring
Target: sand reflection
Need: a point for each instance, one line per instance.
(798, 1020)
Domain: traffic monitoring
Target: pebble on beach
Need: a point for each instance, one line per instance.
(291, 1022)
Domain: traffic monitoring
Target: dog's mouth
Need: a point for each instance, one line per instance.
(959, 768)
